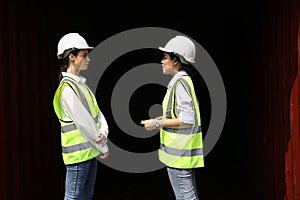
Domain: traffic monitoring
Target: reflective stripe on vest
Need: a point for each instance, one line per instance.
(75, 147)
(72, 127)
(181, 148)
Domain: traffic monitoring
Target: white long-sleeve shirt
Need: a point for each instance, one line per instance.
(186, 114)
(74, 110)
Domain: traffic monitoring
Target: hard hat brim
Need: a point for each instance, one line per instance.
(165, 50)
(182, 58)
(85, 48)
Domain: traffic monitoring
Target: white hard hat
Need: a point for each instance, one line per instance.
(71, 41)
(183, 47)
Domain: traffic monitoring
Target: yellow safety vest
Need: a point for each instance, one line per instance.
(75, 147)
(181, 148)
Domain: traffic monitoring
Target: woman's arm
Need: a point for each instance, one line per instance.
(81, 117)
(103, 131)
(152, 124)
(185, 113)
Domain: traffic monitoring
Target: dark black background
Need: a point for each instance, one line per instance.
(227, 31)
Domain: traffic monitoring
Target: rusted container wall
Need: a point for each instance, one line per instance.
(30, 160)
(276, 69)
(293, 148)
(31, 166)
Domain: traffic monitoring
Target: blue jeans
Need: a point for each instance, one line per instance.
(183, 183)
(80, 180)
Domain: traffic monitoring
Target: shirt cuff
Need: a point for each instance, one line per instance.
(102, 148)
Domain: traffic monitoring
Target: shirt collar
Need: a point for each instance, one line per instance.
(176, 77)
(79, 79)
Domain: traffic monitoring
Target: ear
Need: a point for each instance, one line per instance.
(71, 57)
(175, 62)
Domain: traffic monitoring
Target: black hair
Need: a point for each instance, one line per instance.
(191, 71)
(201, 91)
(64, 63)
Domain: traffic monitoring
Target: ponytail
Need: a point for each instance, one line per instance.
(201, 91)
(62, 69)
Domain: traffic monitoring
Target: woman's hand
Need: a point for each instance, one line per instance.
(101, 139)
(149, 124)
(104, 155)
